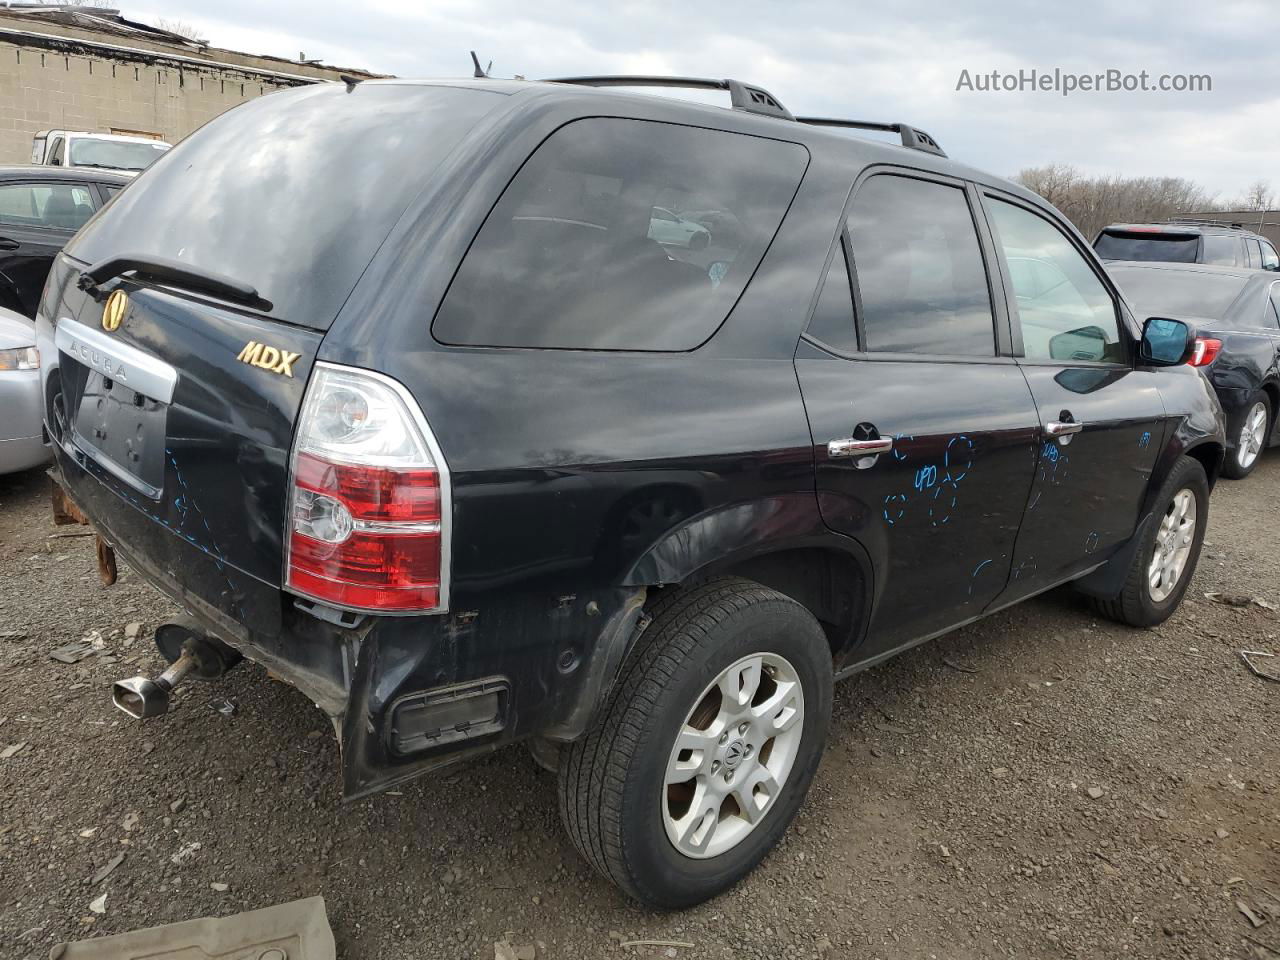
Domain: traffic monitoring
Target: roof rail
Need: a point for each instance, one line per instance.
(1207, 222)
(753, 99)
(744, 96)
(911, 137)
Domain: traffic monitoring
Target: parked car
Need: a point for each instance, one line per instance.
(22, 443)
(40, 210)
(672, 230)
(1236, 315)
(101, 151)
(469, 469)
(1187, 241)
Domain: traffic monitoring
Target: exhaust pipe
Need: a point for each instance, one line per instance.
(141, 698)
(190, 651)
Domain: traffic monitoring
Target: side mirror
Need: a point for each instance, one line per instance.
(1165, 342)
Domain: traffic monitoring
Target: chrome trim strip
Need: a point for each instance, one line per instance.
(393, 527)
(137, 370)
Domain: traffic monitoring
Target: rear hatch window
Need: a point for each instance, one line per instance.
(622, 235)
(291, 193)
(1151, 246)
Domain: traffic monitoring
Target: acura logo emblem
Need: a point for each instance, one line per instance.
(114, 310)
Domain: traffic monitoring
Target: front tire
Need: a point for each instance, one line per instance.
(1250, 430)
(706, 747)
(1165, 561)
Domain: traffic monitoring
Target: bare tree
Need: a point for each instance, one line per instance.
(1093, 202)
(185, 30)
(1258, 197)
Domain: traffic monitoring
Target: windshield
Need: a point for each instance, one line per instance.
(291, 193)
(1163, 247)
(116, 154)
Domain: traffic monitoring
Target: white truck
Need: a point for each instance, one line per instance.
(109, 151)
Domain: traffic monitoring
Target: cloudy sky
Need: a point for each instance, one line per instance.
(881, 60)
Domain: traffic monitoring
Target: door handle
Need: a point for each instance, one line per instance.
(849, 447)
(1064, 430)
(7, 244)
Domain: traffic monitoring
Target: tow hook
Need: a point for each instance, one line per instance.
(191, 652)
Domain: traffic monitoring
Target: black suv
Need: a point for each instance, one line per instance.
(401, 390)
(1187, 241)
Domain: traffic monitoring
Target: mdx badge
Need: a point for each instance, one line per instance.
(113, 310)
(268, 358)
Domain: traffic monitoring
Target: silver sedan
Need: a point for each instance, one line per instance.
(21, 437)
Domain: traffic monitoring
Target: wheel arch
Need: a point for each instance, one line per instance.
(781, 543)
(1209, 454)
(1272, 389)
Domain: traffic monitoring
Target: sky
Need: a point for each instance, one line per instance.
(847, 58)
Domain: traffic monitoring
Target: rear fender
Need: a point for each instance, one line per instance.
(742, 539)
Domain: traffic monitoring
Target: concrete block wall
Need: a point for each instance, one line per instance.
(44, 89)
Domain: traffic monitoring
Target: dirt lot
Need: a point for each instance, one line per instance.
(1042, 784)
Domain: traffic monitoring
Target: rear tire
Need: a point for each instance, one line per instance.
(1166, 559)
(742, 676)
(1250, 430)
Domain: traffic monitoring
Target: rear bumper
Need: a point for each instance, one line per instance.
(395, 687)
(237, 608)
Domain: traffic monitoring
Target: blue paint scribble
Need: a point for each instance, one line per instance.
(898, 453)
(926, 477)
(1091, 542)
(895, 507)
(1034, 500)
(957, 460)
(973, 577)
(945, 498)
(1144, 440)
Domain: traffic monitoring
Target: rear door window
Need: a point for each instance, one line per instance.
(622, 234)
(920, 276)
(1150, 246)
(1252, 253)
(1220, 250)
(58, 206)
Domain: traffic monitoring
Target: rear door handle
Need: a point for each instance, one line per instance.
(7, 244)
(849, 447)
(1064, 430)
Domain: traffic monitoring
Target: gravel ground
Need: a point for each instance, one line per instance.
(1041, 784)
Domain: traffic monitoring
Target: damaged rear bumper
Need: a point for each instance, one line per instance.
(405, 694)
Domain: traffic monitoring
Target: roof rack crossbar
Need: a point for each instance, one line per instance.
(743, 96)
(911, 137)
(1208, 222)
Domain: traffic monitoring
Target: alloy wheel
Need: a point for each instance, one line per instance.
(1253, 435)
(732, 755)
(1174, 539)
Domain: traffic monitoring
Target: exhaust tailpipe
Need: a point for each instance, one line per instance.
(141, 698)
(189, 651)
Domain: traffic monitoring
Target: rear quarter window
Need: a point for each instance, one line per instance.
(1221, 251)
(622, 234)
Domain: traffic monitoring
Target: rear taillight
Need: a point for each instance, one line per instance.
(1204, 352)
(368, 520)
